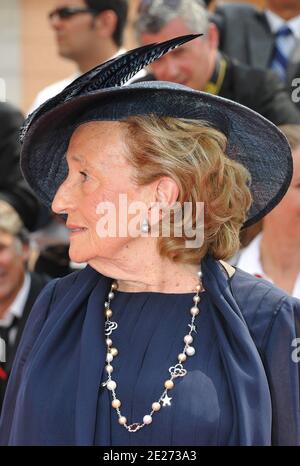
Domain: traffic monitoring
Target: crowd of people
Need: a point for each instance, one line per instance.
(227, 95)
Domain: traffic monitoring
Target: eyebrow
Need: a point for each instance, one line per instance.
(75, 158)
(86, 165)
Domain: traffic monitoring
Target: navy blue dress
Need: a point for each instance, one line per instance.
(149, 338)
(242, 385)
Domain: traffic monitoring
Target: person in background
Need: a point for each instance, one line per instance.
(88, 32)
(268, 39)
(274, 253)
(202, 66)
(18, 288)
(13, 187)
(15, 191)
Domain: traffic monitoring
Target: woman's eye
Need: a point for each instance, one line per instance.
(84, 175)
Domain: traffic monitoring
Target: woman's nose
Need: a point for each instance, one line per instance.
(63, 200)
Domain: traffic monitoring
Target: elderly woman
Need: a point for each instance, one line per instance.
(140, 347)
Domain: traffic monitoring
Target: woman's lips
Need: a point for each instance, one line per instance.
(75, 230)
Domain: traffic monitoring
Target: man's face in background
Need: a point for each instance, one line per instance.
(13, 257)
(75, 34)
(191, 64)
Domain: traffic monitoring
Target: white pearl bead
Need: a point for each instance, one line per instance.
(109, 357)
(116, 403)
(169, 384)
(188, 339)
(196, 299)
(122, 420)
(108, 341)
(181, 357)
(199, 273)
(106, 305)
(194, 310)
(147, 419)
(111, 385)
(190, 351)
(156, 406)
(111, 295)
(114, 352)
(109, 369)
(108, 313)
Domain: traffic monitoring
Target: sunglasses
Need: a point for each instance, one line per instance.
(68, 11)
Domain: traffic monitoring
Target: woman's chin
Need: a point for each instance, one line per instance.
(78, 256)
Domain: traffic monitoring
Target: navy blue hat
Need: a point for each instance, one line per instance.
(99, 95)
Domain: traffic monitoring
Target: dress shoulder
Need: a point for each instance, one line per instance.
(261, 303)
(273, 319)
(73, 281)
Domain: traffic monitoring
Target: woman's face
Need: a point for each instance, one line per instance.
(98, 173)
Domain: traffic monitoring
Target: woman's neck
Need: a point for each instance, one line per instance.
(168, 279)
(145, 270)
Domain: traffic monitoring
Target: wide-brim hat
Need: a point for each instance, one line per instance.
(252, 140)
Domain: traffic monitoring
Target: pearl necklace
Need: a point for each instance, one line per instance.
(175, 371)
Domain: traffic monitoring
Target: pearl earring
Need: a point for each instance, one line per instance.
(145, 227)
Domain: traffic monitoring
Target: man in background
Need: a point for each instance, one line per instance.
(13, 187)
(88, 32)
(265, 39)
(200, 65)
(18, 288)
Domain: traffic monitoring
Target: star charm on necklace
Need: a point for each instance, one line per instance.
(193, 328)
(166, 400)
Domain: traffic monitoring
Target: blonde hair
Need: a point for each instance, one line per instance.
(193, 154)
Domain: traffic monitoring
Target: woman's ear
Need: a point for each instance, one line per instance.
(164, 197)
(167, 191)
